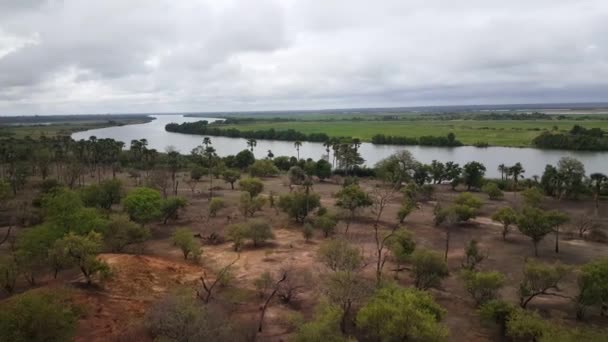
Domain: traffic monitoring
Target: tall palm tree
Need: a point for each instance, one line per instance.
(297, 144)
(270, 154)
(515, 171)
(251, 143)
(502, 168)
(597, 180)
(206, 141)
(327, 145)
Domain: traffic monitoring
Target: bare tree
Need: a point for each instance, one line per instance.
(583, 224)
(205, 294)
(277, 285)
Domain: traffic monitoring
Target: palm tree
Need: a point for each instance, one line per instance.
(516, 170)
(297, 144)
(251, 143)
(206, 141)
(502, 168)
(327, 145)
(356, 143)
(597, 181)
(270, 154)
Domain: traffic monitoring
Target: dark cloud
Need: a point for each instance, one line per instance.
(59, 56)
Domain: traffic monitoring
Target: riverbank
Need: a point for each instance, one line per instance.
(67, 128)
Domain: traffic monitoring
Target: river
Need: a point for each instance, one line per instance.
(533, 160)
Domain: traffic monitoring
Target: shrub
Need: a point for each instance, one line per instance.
(469, 200)
(122, 232)
(40, 315)
(428, 269)
(497, 312)
(308, 232)
(483, 286)
(493, 191)
(8, 273)
(259, 231)
(237, 233)
(215, 205)
(231, 176)
(143, 205)
(253, 186)
(299, 204)
(184, 240)
(170, 208)
(325, 223)
(250, 205)
(339, 255)
(263, 168)
(533, 197)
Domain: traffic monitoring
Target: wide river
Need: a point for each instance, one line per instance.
(533, 160)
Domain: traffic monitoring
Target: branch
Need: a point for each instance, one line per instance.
(8, 233)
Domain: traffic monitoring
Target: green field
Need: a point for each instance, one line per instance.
(35, 131)
(495, 132)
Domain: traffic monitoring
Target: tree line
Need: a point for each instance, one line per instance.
(578, 138)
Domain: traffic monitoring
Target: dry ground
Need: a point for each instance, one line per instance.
(114, 310)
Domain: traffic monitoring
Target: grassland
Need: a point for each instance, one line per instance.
(61, 128)
(494, 132)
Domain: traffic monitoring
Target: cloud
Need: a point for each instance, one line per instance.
(72, 56)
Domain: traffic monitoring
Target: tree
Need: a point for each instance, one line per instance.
(401, 245)
(231, 176)
(83, 251)
(437, 171)
(472, 256)
(184, 240)
(428, 269)
(345, 289)
(452, 173)
(493, 191)
(308, 232)
(534, 224)
(507, 216)
(178, 318)
(497, 312)
(8, 273)
(38, 316)
(325, 326)
(555, 220)
(237, 233)
(251, 143)
(340, 256)
(170, 208)
(104, 195)
(524, 325)
(122, 232)
(405, 209)
(250, 205)
(398, 314)
(592, 286)
(297, 144)
(472, 174)
(243, 159)
(503, 170)
(31, 251)
(197, 173)
(259, 231)
(571, 172)
(538, 279)
(253, 186)
(483, 286)
(296, 176)
(515, 171)
(352, 198)
(396, 169)
(215, 205)
(325, 223)
(533, 197)
(597, 181)
(143, 205)
(263, 168)
(299, 204)
(322, 169)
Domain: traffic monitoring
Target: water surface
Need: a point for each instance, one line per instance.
(533, 160)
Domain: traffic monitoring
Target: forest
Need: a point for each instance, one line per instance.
(100, 242)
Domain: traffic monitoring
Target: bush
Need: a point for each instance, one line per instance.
(339, 255)
(428, 269)
(299, 204)
(524, 325)
(237, 233)
(325, 223)
(263, 168)
(143, 205)
(497, 312)
(259, 231)
(250, 205)
(215, 205)
(197, 173)
(8, 273)
(170, 208)
(39, 315)
(308, 232)
(468, 199)
(493, 191)
(122, 232)
(184, 240)
(533, 197)
(253, 186)
(483, 286)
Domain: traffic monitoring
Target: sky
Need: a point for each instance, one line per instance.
(117, 56)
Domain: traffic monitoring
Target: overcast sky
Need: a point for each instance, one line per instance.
(75, 56)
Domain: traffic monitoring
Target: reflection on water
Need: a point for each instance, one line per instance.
(534, 160)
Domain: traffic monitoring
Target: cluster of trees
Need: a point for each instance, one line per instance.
(578, 138)
(427, 140)
(203, 128)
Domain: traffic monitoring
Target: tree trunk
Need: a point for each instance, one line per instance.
(557, 240)
(535, 243)
(447, 244)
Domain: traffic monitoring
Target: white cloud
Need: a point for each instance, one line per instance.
(72, 56)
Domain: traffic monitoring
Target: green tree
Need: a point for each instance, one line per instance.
(323, 169)
(524, 325)
(297, 144)
(250, 205)
(402, 245)
(534, 224)
(170, 207)
(515, 171)
(497, 312)
(533, 197)
(244, 159)
(352, 198)
(299, 204)
(251, 143)
(428, 269)
(507, 216)
(345, 289)
(596, 183)
(38, 316)
(472, 256)
(143, 205)
(405, 210)
(572, 173)
(340, 256)
(538, 279)
(83, 251)
(263, 168)
(325, 326)
(483, 286)
(396, 169)
(398, 314)
(493, 191)
(8, 273)
(184, 240)
(122, 232)
(325, 223)
(237, 233)
(556, 219)
(32, 249)
(253, 186)
(231, 176)
(592, 286)
(104, 195)
(259, 231)
(472, 174)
